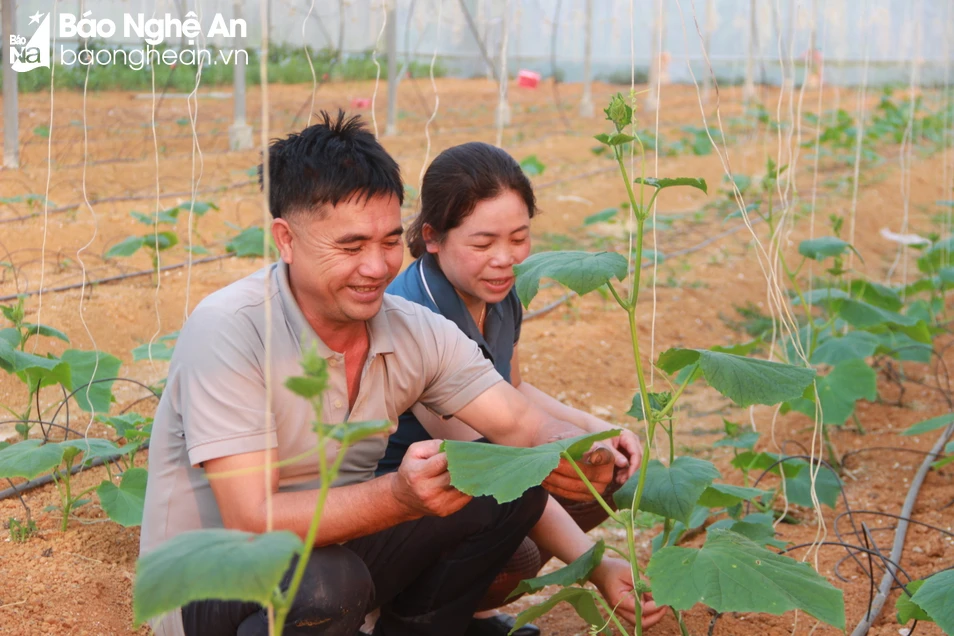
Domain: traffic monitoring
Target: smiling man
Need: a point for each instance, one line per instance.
(407, 542)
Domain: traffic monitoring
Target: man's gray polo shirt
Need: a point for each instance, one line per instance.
(214, 402)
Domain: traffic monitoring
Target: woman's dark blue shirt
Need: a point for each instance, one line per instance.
(424, 283)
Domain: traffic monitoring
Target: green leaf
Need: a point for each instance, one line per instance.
(349, 433)
(248, 243)
(760, 533)
(160, 241)
(937, 255)
(29, 459)
(876, 294)
(726, 495)
(827, 486)
(906, 609)
(932, 424)
(92, 374)
(126, 247)
(197, 249)
(36, 371)
(125, 423)
(731, 573)
(211, 564)
(200, 208)
(11, 336)
(934, 597)
(580, 271)
(506, 472)
(306, 387)
(746, 440)
(746, 381)
(95, 448)
(749, 461)
(823, 247)
(853, 345)
(601, 217)
(532, 166)
(864, 316)
(838, 391)
(619, 139)
(903, 347)
(575, 573)
(124, 503)
(694, 182)
(670, 491)
(42, 330)
(657, 401)
(581, 599)
(158, 351)
(822, 295)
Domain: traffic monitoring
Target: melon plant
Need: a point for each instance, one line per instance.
(733, 571)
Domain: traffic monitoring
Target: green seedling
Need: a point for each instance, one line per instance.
(683, 492)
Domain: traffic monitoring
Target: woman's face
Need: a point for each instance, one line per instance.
(478, 256)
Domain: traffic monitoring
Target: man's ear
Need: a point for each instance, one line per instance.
(284, 237)
(431, 239)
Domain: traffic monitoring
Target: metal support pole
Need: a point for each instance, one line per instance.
(586, 103)
(240, 133)
(393, 79)
(748, 90)
(11, 122)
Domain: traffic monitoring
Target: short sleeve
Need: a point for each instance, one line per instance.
(455, 368)
(217, 372)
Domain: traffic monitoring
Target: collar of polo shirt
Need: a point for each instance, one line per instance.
(452, 306)
(379, 329)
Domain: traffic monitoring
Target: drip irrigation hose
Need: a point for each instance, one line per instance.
(885, 587)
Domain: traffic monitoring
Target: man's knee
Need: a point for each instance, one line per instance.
(336, 592)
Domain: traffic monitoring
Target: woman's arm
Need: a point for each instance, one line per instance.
(627, 447)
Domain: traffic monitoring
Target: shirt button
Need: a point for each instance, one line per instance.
(333, 362)
(337, 404)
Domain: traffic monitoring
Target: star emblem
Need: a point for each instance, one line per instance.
(35, 18)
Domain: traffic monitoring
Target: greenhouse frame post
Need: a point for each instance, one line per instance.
(748, 90)
(11, 122)
(586, 102)
(240, 133)
(390, 128)
(658, 26)
(502, 118)
(707, 46)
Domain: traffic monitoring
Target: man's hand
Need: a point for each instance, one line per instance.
(614, 579)
(628, 453)
(597, 464)
(422, 483)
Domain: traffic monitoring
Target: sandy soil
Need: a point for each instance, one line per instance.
(79, 582)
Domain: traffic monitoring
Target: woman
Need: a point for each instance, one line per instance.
(474, 226)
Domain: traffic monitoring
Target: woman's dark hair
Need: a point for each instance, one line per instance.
(460, 178)
(327, 163)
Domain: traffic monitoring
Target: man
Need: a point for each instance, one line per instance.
(407, 543)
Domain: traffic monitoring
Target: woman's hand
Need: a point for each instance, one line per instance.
(614, 579)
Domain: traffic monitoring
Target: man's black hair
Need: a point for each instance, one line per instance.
(327, 163)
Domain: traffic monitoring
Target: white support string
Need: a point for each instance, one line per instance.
(192, 103)
(437, 99)
(377, 66)
(862, 98)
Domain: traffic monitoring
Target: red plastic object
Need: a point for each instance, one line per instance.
(528, 79)
(361, 102)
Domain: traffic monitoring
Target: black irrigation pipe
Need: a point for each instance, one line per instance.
(137, 197)
(898, 546)
(98, 461)
(118, 277)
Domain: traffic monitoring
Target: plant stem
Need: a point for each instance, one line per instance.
(631, 542)
(682, 624)
(612, 615)
(589, 485)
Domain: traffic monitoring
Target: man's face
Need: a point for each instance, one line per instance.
(341, 261)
